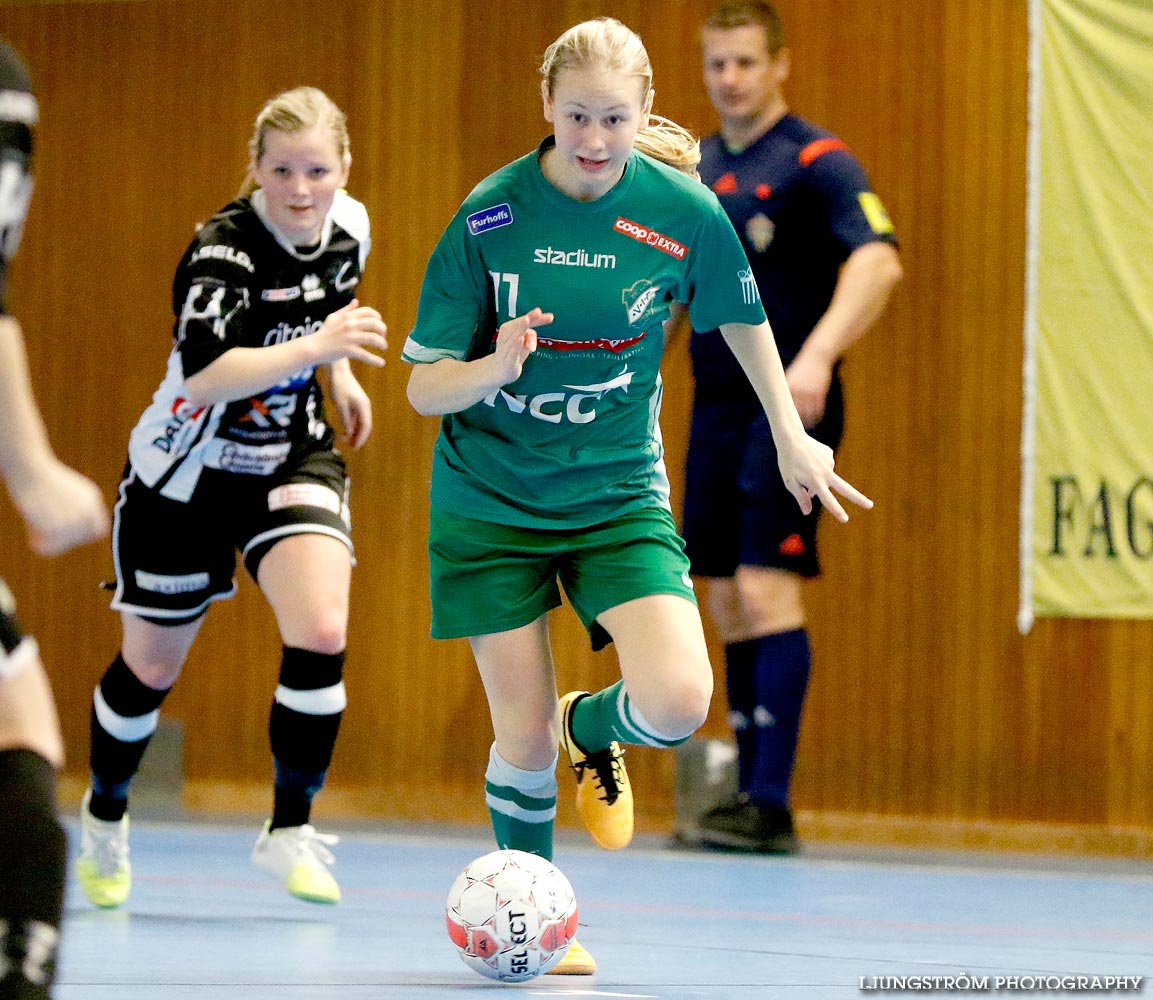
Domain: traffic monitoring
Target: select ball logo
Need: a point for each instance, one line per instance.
(511, 915)
(650, 237)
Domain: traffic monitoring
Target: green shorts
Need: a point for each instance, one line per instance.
(495, 577)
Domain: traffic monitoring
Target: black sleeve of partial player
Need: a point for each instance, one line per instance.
(180, 280)
(16, 136)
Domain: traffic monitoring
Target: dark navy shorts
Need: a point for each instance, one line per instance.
(737, 510)
(174, 558)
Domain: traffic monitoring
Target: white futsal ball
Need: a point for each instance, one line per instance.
(511, 915)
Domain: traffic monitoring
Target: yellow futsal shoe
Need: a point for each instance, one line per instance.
(604, 797)
(102, 865)
(299, 857)
(576, 962)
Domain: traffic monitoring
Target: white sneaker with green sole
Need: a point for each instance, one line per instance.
(102, 865)
(299, 857)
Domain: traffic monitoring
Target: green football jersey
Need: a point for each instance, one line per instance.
(575, 440)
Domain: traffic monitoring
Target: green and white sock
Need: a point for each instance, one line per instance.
(609, 715)
(521, 804)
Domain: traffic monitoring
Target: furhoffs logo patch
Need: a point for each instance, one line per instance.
(489, 218)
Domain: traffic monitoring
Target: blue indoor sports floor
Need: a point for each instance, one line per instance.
(202, 923)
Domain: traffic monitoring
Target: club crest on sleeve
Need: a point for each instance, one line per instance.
(489, 218)
(749, 291)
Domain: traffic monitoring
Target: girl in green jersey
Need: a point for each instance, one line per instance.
(538, 341)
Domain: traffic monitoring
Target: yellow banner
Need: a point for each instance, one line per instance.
(1087, 496)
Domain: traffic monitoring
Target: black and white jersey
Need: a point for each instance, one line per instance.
(18, 115)
(240, 284)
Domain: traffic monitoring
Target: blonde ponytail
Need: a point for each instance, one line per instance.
(670, 143)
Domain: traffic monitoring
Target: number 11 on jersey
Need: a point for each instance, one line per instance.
(513, 282)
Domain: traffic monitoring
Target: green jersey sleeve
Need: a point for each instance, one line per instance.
(718, 284)
(455, 314)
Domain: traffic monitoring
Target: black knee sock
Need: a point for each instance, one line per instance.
(302, 729)
(781, 678)
(33, 851)
(740, 670)
(125, 712)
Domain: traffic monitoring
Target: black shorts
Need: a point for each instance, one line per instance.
(173, 559)
(737, 510)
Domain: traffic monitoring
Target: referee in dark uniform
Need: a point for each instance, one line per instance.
(823, 253)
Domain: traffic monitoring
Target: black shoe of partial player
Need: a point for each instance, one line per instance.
(739, 824)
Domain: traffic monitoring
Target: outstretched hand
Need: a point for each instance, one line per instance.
(516, 340)
(352, 331)
(61, 509)
(807, 469)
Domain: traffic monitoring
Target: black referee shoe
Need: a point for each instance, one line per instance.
(740, 824)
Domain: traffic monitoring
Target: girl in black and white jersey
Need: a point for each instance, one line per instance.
(235, 454)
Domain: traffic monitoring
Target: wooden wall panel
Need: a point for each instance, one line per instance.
(133, 151)
(926, 707)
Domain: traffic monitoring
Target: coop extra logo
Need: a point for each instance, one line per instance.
(650, 237)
